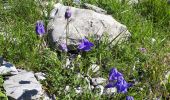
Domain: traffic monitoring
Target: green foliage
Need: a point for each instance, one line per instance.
(2, 95)
(157, 11)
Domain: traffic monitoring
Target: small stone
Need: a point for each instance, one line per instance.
(40, 76)
(67, 88)
(98, 81)
(92, 87)
(101, 89)
(167, 77)
(110, 90)
(133, 2)
(95, 68)
(78, 90)
(153, 40)
(8, 69)
(47, 96)
(79, 75)
(67, 64)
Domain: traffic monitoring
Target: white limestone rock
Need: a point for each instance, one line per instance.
(98, 81)
(23, 86)
(83, 23)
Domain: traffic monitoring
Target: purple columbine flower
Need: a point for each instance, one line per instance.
(129, 98)
(85, 45)
(40, 30)
(117, 80)
(114, 74)
(67, 13)
(121, 85)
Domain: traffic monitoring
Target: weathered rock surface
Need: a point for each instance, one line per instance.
(83, 22)
(95, 68)
(23, 86)
(40, 76)
(110, 91)
(101, 89)
(6, 68)
(98, 81)
(78, 90)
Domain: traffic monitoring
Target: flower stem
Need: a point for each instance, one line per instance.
(67, 32)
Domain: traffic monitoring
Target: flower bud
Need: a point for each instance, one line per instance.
(67, 13)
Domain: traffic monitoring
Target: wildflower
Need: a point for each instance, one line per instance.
(114, 74)
(117, 80)
(85, 45)
(121, 85)
(63, 47)
(67, 13)
(142, 49)
(40, 30)
(129, 98)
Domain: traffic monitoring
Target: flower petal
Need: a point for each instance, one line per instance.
(110, 85)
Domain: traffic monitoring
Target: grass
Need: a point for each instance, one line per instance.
(146, 21)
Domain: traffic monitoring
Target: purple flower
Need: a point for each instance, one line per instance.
(40, 30)
(114, 74)
(67, 13)
(121, 85)
(117, 80)
(85, 45)
(63, 47)
(142, 49)
(129, 98)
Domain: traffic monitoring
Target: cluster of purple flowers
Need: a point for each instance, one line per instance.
(117, 80)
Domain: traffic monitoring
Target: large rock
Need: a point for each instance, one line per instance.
(83, 22)
(23, 86)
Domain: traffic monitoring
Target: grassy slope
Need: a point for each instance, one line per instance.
(145, 21)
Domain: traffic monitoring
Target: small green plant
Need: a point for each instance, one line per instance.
(2, 94)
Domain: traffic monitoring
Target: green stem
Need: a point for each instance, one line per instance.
(67, 32)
